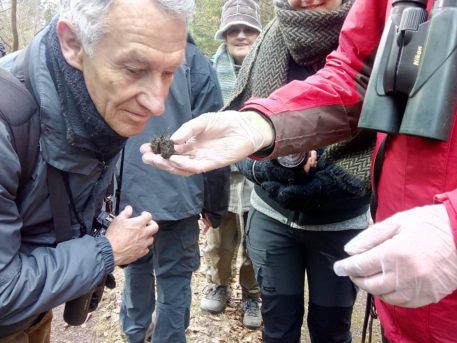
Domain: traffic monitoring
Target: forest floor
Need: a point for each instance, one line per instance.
(102, 325)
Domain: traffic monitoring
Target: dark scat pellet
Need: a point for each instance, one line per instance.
(155, 145)
(167, 148)
(162, 145)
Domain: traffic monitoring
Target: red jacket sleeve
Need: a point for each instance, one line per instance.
(325, 108)
(449, 200)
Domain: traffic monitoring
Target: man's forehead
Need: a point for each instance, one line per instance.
(149, 26)
(147, 58)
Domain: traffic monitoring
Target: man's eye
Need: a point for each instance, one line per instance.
(134, 71)
(167, 74)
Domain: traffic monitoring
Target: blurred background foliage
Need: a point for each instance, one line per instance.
(32, 15)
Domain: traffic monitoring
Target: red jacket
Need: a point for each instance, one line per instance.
(326, 109)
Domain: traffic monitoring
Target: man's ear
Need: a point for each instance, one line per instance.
(69, 43)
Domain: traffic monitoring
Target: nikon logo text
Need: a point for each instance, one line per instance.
(417, 57)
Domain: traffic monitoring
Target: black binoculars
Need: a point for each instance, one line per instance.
(413, 84)
(76, 310)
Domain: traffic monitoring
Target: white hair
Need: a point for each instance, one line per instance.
(88, 16)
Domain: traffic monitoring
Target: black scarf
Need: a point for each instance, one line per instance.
(82, 120)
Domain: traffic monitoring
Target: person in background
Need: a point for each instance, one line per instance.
(240, 26)
(175, 202)
(2, 50)
(95, 75)
(299, 221)
(408, 259)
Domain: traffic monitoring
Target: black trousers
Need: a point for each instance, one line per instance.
(281, 257)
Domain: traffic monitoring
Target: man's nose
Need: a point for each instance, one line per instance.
(152, 99)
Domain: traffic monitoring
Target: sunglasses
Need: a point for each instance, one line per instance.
(247, 31)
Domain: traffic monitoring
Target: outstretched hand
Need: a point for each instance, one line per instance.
(409, 259)
(211, 141)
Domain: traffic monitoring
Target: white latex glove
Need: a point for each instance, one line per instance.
(213, 140)
(409, 259)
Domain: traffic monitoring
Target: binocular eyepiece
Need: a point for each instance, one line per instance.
(413, 84)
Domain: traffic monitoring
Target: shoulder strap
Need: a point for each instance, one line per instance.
(377, 167)
(59, 207)
(18, 111)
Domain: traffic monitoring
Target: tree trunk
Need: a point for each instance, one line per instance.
(14, 25)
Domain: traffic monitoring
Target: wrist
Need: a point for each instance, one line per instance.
(265, 126)
(106, 250)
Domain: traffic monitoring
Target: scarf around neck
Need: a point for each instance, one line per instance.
(226, 71)
(307, 37)
(84, 124)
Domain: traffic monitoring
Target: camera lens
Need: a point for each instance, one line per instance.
(292, 160)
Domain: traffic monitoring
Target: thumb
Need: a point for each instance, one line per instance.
(190, 129)
(126, 212)
(371, 237)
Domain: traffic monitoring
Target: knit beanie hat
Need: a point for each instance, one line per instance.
(236, 12)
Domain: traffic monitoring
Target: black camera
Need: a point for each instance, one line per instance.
(76, 310)
(101, 223)
(413, 84)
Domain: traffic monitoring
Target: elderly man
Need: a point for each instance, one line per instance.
(98, 72)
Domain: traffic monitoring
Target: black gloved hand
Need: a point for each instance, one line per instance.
(270, 170)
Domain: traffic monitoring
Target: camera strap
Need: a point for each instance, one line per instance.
(370, 309)
(59, 205)
(117, 197)
(377, 167)
(59, 194)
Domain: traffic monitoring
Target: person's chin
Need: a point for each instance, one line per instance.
(242, 53)
(130, 130)
(130, 124)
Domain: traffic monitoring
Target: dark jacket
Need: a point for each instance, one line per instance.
(35, 274)
(194, 91)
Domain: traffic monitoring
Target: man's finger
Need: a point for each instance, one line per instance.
(126, 212)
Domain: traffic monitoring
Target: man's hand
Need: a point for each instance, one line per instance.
(213, 140)
(409, 259)
(206, 223)
(131, 238)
